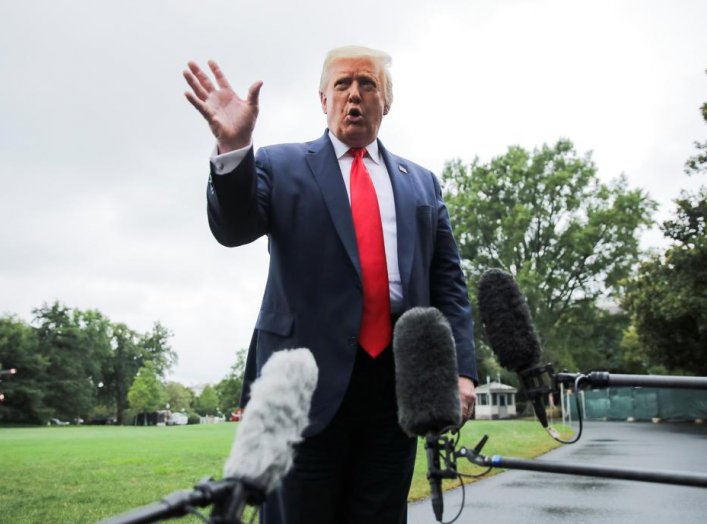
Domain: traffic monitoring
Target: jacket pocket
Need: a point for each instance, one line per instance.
(275, 322)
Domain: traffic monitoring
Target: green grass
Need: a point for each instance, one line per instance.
(83, 474)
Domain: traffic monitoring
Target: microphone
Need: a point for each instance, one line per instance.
(262, 452)
(427, 386)
(511, 333)
(276, 416)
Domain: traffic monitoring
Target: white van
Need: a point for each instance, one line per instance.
(178, 419)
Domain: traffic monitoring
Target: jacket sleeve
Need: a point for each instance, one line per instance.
(237, 203)
(448, 290)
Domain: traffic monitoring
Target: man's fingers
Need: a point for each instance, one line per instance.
(254, 93)
(467, 396)
(198, 104)
(201, 76)
(220, 77)
(195, 85)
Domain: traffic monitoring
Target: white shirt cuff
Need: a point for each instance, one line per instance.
(227, 162)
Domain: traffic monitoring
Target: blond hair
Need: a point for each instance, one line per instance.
(381, 58)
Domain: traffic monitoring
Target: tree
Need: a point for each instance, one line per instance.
(146, 393)
(207, 402)
(131, 351)
(178, 396)
(24, 394)
(668, 296)
(567, 238)
(229, 388)
(155, 348)
(121, 368)
(74, 361)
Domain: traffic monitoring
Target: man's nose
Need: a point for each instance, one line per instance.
(354, 92)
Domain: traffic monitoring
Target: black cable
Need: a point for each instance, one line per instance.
(460, 476)
(483, 473)
(580, 413)
(461, 507)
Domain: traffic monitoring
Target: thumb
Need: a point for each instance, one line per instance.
(254, 93)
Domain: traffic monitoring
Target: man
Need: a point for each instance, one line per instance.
(356, 236)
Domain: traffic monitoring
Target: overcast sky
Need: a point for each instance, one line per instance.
(103, 163)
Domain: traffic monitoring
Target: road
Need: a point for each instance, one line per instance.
(532, 497)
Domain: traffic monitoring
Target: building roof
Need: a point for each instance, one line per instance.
(496, 387)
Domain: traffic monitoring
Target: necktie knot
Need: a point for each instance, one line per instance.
(358, 152)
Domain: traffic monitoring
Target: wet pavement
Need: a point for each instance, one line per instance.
(532, 497)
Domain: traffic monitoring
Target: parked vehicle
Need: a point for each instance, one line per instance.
(56, 422)
(178, 419)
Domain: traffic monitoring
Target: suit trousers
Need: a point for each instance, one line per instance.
(358, 470)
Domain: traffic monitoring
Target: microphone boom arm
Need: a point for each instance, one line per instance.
(603, 379)
(681, 478)
(228, 496)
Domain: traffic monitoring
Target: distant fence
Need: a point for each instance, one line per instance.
(640, 404)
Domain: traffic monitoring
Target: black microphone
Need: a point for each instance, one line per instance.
(511, 333)
(427, 386)
(273, 422)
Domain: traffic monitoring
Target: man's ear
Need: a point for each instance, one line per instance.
(322, 99)
(386, 108)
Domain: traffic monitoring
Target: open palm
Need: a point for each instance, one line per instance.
(230, 117)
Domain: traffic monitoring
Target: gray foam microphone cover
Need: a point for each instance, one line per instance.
(273, 422)
(426, 376)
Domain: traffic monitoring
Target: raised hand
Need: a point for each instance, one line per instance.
(231, 118)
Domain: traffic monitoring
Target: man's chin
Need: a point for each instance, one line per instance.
(356, 136)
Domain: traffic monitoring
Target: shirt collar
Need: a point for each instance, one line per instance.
(341, 149)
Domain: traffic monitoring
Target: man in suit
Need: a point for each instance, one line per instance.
(357, 235)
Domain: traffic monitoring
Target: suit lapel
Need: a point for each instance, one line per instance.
(325, 167)
(405, 205)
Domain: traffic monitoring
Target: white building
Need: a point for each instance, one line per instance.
(495, 400)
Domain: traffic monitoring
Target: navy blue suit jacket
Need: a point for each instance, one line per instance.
(295, 194)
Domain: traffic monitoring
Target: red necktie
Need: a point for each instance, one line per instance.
(376, 328)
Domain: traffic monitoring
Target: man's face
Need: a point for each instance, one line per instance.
(353, 100)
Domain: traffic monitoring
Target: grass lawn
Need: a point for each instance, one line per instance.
(83, 474)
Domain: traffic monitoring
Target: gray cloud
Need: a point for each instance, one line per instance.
(103, 163)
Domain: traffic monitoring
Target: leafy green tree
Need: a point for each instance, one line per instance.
(74, 361)
(229, 388)
(24, 394)
(95, 331)
(131, 351)
(155, 347)
(568, 239)
(207, 402)
(122, 366)
(146, 393)
(668, 297)
(178, 396)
